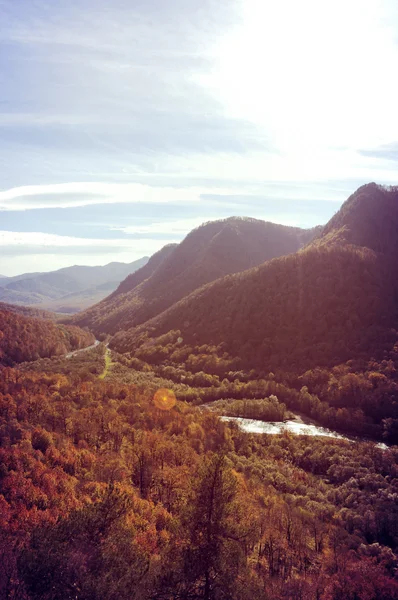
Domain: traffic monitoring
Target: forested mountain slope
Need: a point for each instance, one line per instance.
(334, 300)
(28, 311)
(209, 252)
(24, 338)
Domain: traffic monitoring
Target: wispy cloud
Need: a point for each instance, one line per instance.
(241, 189)
(45, 242)
(85, 194)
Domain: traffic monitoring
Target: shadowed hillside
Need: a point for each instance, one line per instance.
(209, 252)
(134, 279)
(335, 299)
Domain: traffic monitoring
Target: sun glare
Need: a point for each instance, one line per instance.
(311, 73)
(164, 399)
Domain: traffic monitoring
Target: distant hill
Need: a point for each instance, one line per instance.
(209, 252)
(334, 300)
(25, 338)
(5, 280)
(69, 289)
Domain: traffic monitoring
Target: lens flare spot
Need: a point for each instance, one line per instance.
(164, 399)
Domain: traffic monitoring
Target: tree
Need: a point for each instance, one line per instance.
(214, 554)
(76, 559)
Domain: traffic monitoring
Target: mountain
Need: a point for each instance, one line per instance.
(334, 300)
(25, 338)
(209, 252)
(69, 289)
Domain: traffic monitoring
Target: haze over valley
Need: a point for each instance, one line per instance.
(67, 290)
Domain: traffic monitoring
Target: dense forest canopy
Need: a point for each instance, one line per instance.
(104, 495)
(28, 311)
(26, 339)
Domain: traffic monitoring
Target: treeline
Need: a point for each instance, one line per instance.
(103, 495)
(362, 393)
(266, 409)
(28, 339)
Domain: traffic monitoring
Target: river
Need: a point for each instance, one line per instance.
(296, 426)
(273, 428)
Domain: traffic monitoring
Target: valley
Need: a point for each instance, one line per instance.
(66, 290)
(222, 426)
(198, 300)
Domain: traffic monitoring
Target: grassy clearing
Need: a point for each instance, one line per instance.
(108, 363)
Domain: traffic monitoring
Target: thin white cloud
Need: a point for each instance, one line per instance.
(36, 239)
(84, 194)
(253, 175)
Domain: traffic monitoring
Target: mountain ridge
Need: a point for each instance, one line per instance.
(212, 250)
(330, 301)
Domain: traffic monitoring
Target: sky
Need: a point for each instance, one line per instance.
(125, 124)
